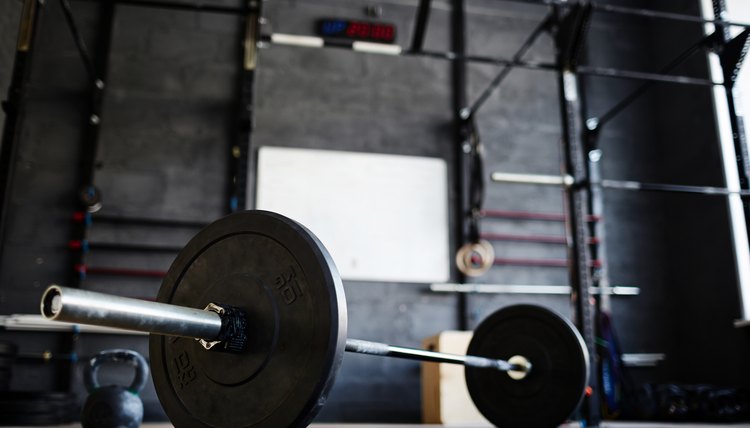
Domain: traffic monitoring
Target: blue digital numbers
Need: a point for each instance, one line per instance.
(332, 27)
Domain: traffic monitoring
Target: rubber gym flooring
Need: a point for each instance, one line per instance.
(606, 424)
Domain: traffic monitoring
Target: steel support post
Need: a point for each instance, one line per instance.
(420, 25)
(89, 145)
(569, 38)
(462, 131)
(96, 67)
(14, 105)
(733, 147)
(241, 186)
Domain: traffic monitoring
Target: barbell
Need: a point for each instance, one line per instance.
(249, 329)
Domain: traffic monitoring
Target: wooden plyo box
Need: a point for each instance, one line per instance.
(445, 399)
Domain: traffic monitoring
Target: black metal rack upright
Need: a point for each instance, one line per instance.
(14, 105)
(569, 36)
(462, 147)
(731, 52)
(96, 64)
(241, 153)
(96, 67)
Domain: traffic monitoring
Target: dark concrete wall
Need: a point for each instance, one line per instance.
(634, 221)
(10, 12)
(168, 124)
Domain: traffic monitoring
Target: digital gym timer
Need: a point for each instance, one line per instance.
(357, 30)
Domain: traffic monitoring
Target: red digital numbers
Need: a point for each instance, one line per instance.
(358, 30)
(366, 31)
(382, 32)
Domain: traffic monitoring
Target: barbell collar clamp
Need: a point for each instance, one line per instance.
(233, 334)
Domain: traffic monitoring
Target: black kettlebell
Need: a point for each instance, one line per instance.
(114, 406)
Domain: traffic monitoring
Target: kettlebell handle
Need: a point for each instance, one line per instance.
(124, 356)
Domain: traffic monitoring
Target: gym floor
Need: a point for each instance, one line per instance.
(605, 425)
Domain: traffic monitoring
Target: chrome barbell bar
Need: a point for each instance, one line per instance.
(88, 307)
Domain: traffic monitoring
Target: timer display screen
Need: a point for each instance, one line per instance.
(357, 30)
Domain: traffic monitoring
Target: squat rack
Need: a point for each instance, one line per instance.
(568, 22)
(95, 63)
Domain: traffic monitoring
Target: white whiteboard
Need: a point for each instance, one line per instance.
(382, 217)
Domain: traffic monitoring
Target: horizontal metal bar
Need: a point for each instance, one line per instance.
(181, 5)
(540, 179)
(546, 180)
(297, 40)
(557, 263)
(121, 246)
(642, 359)
(381, 48)
(529, 289)
(143, 221)
(528, 215)
(523, 215)
(646, 76)
(678, 188)
(602, 119)
(385, 350)
(646, 13)
(581, 69)
(116, 271)
(48, 356)
(88, 307)
(624, 10)
(24, 322)
(376, 48)
(552, 263)
(567, 180)
(537, 239)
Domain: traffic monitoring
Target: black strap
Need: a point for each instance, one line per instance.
(476, 181)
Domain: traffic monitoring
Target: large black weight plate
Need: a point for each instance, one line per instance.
(282, 276)
(553, 389)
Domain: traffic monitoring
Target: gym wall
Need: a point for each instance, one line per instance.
(169, 120)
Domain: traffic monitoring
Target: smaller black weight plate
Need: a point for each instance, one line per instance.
(33, 401)
(32, 419)
(285, 280)
(8, 349)
(553, 389)
(36, 408)
(5, 376)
